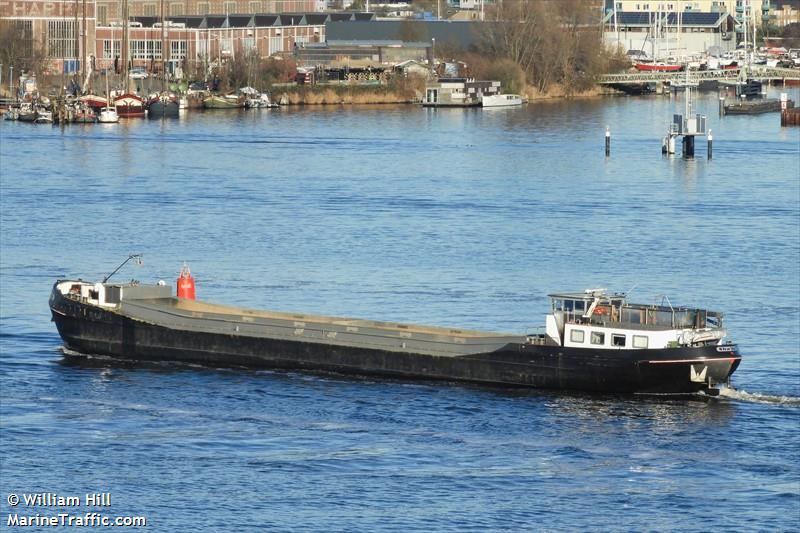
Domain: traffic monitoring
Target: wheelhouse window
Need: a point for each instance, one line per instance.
(617, 340)
(576, 335)
(598, 337)
(640, 341)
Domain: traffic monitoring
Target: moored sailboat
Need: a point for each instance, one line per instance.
(108, 115)
(129, 105)
(163, 105)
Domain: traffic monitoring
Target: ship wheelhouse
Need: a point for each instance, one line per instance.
(595, 319)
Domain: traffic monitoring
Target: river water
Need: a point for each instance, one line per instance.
(449, 217)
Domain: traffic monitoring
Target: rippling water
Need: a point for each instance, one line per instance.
(450, 217)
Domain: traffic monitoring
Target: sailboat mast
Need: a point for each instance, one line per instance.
(84, 53)
(77, 40)
(125, 48)
(163, 49)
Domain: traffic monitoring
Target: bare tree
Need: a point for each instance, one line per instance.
(18, 48)
(553, 41)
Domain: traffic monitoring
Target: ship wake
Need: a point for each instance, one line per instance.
(756, 397)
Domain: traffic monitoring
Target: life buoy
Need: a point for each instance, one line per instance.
(601, 310)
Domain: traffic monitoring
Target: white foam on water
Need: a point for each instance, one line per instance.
(744, 396)
(75, 353)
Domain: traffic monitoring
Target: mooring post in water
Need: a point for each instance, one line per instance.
(688, 146)
(710, 145)
(722, 105)
(608, 141)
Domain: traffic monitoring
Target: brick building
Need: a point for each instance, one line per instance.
(71, 30)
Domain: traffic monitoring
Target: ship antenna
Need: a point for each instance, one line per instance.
(630, 290)
(137, 257)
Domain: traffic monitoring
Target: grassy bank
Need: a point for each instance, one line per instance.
(557, 91)
(401, 92)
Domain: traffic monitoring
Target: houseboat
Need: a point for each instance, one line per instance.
(459, 92)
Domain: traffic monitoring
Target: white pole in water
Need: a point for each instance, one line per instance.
(710, 145)
(608, 141)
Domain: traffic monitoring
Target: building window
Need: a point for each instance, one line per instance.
(177, 50)
(61, 38)
(248, 44)
(576, 335)
(598, 338)
(154, 50)
(149, 10)
(640, 341)
(275, 45)
(230, 7)
(111, 49)
(255, 7)
(138, 49)
(617, 340)
(102, 15)
(202, 8)
(176, 9)
(141, 49)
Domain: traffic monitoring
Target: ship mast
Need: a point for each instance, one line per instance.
(163, 49)
(77, 42)
(84, 54)
(125, 50)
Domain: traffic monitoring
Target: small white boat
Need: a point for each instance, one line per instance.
(43, 116)
(108, 116)
(501, 100)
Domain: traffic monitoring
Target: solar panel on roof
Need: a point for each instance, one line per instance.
(645, 18)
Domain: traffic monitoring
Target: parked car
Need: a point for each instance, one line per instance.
(138, 73)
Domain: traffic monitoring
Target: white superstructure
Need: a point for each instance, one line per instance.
(598, 320)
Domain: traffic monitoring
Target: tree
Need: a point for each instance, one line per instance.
(18, 48)
(791, 35)
(553, 41)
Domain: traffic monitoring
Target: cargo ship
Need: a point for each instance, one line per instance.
(593, 340)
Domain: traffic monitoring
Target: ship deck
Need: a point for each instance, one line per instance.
(196, 306)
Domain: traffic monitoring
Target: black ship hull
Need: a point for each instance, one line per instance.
(92, 330)
(163, 109)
